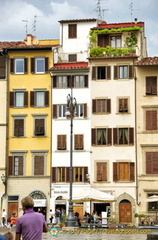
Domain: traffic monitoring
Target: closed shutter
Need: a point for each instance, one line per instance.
(20, 167)
(94, 73)
(53, 174)
(68, 174)
(85, 174)
(85, 110)
(46, 64)
(39, 127)
(115, 142)
(86, 81)
(125, 106)
(103, 40)
(55, 106)
(151, 85)
(11, 99)
(94, 105)
(18, 127)
(25, 99)
(93, 136)
(32, 97)
(132, 172)
(12, 62)
(115, 72)
(131, 136)
(78, 142)
(154, 85)
(39, 165)
(61, 142)
(10, 165)
(149, 165)
(46, 98)
(70, 81)
(54, 81)
(108, 72)
(115, 172)
(108, 105)
(101, 171)
(25, 65)
(151, 120)
(130, 71)
(109, 137)
(155, 162)
(32, 65)
(72, 31)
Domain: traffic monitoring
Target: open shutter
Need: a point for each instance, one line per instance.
(54, 110)
(86, 81)
(115, 172)
(85, 110)
(132, 175)
(25, 65)
(12, 62)
(70, 81)
(94, 73)
(46, 64)
(53, 174)
(32, 96)
(103, 40)
(11, 99)
(109, 138)
(54, 81)
(115, 142)
(131, 136)
(130, 71)
(94, 104)
(10, 165)
(115, 72)
(46, 98)
(108, 105)
(68, 174)
(108, 72)
(20, 170)
(25, 99)
(85, 174)
(94, 136)
(32, 65)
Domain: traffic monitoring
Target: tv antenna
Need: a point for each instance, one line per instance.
(100, 12)
(34, 25)
(131, 9)
(26, 26)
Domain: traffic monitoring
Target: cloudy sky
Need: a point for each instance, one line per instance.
(42, 17)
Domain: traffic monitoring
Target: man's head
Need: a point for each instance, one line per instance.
(9, 235)
(27, 202)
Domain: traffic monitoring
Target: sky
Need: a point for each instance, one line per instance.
(41, 17)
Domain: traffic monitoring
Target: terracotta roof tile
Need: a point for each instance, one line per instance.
(104, 24)
(149, 61)
(69, 65)
(79, 20)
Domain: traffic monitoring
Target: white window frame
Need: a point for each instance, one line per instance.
(21, 99)
(37, 63)
(80, 110)
(37, 104)
(19, 60)
(62, 111)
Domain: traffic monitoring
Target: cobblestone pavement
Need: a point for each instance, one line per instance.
(102, 234)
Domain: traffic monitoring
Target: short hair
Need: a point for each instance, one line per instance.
(27, 202)
(9, 235)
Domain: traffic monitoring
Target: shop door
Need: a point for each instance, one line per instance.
(78, 209)
(125, 212)
(12, 208)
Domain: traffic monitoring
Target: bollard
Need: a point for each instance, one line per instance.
(152, 236)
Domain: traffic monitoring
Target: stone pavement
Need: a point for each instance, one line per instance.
(96, 234)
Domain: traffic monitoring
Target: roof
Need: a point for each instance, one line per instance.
(149, 61)
(131, 55)
(104, 24)
(70, 65)
(78, 20)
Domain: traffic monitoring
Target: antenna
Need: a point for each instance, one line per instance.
(34, 25)
(131, 8)
(99, 11)
(26, 26)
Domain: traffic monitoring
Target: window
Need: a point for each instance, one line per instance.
(123, 72)
(18, 127)
(78, 142)
(79, 81)
(39, 127)
(72, 57)
(101, 173)
(39, 98)
(123, 105)
(101, 105)
(115, 41)
(61, 142)
(15, 165)
(39, 65)
(151, 162)
(39, 164)
(151, 85)
(72, 31)
(152, 206)
(81, 110)
(60, 110)
(123, 136)
(18, 99)
(18, 65)
(101, 136)
(62, 82)
(123, 171)
(101, 72)
(151, 119)
(61, 174)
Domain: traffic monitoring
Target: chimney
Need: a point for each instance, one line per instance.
(29, 39)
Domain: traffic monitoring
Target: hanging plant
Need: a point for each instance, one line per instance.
(110, 51)
(131, 41)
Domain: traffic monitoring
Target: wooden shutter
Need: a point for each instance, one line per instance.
(85, 110)
(132, 172)
(109, 136)
(115, 72)
(86, 81)
(130, 71)
(61, 142)
(115, 131)
(108, 105)
(131, 136)
(72, 30)
(18, 127)
(103, 40)
(68, 174)
(94, 73)
(39, 165)
(151, 120)
(55, 106)
(94, 105)
(20, 167)
(11, 99)
(53, 174)
(25, 65)
(46, 64)
(149, 167)
(10, 165)
(46, 98)
(78, 142)
(70, 81)
(54, 81)
(25, 99)
(32, 65)
(108, 72)
(12, 63)
(32, 97)
(85, 174)
(151, 85)
(115, 172)
(101, 171)
(94, 130)
(39, 127)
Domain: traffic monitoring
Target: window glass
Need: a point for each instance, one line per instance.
(19, 99)
(101, 136)
(123, 135)
(61, 110)
(19, 66)
(79, 110)
(62, 82)
(123, 71)
(16, 165)
(79, 81)
(115, 41)
(40, 65)
(40, 99)
(101, 73)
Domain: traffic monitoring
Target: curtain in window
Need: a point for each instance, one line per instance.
(39, 99)
(19, 99)
(101, 136)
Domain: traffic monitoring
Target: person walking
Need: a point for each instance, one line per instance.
(31, 224)
(50, 216)
(13, 220)
(57, 216)
(4, 218)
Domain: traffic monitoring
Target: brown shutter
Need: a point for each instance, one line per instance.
(53, 174)
(46, 64)
(94, 73)
(154, 85)
(115, 142)
(61, 142)
(11, 99)
(68, 174)
(108, 72)
(32, 96)
(72, 31)
(109, 137)
(39, 127)
(86, 81)
(115, 72)
(99, 171)
(104, 171)
(25, 65)
(94, 130)
(78, 142)
(10, 165)
(120, 105)
(115, 172)
(18, 127)
(131, 136)
(55, 110)
(132, 175)
(39, 165)
(70, 81)
(12, 62)
(85, 110)
(85, 174)
(94, 105)
(103, 40)
(149, 166)
(130, 71)
(46, 98)
(54, 81)
(151, 120)
(32, 65)
(151, 85)
(108, 105)
(20, 167)
(25, 99)
(125, 107)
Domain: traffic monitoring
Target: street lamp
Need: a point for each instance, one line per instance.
(70, 114)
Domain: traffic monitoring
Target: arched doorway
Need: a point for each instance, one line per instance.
(125, 211)
(40, 202)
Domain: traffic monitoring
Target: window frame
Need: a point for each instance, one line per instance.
(12, 98)
(95, 106)
(19, 130)
(95, 133)
(151, 119)
(101, 168)
(130, 136)
(117, 171)
(123, 105)
(21, 165)
(21, 66)
(115, 41)
(33, 98)
(42, 117)
(37, 63)
(151, 85)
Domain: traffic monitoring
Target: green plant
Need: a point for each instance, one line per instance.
(101, 52)
(131, 41)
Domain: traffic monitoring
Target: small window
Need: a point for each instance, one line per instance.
(151, 120)
(123, 72)
(61, 111)
(101, 171)
(72, 30)
(39, 127)
(61, 142)
(62, 82)
(123, 105)
(151, 85)
(72, 57)
(39, 163)
(78, 142)
(80, 110)
(101, 105)
(40, 68)
(79, 81)
(18, 99)
(16, 165)
(123, 136)
(39, 98)
(101, 136)
(18, 127)
(39, 65)
(151, 162)
(115, 41)
(39, 101)
(101, 72)
(19, 66)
